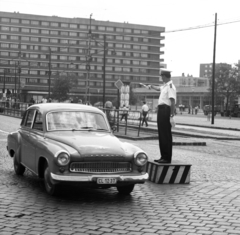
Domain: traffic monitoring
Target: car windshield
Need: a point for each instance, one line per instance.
(75, 120)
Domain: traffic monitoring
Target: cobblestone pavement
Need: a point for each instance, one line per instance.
(210, 204)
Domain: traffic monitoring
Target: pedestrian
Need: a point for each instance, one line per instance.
(44, 100)
(180, 108)
(145, 110)
(31, 102)
(124, 113)
(196, 110)
(166, 107)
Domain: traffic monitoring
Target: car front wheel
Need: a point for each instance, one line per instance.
(18, 167)
(125, 190)
(50, 188)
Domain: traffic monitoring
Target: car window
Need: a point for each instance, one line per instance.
(38, 124)
(30, 116)
(78, 120)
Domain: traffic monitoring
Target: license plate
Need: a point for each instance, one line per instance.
(106, 180)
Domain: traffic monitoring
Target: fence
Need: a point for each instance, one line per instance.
(127, 121)
(13, 109)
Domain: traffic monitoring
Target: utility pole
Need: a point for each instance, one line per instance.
(88, 59)
(19, 70)
(15, 80)
(104, 68)
(49, 74)
(213, 71)
(4, 80)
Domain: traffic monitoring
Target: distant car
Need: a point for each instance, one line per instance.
(207, 109)
(73, 143)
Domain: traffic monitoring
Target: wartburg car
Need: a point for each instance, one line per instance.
(73, 143)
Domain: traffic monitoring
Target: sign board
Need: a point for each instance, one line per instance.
(118, 84)
(124, 95)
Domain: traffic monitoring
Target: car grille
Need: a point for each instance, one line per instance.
(100, 167)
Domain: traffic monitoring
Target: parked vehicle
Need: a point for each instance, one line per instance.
(234, 111)
(207, 109)
(72, 143)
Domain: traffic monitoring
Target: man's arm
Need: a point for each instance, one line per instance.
(157, 88)
(172, 107)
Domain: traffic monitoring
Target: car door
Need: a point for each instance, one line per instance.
(27, 146)
(36, 139)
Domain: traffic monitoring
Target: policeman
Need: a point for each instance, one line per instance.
(166, 108)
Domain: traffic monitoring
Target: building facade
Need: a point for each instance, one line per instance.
(35, 49)
(206, 69)
(191, 92)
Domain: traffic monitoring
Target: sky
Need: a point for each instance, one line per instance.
(184, 50)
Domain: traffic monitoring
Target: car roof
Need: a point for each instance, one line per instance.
(46, 107)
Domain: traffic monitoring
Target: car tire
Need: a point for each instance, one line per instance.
(125, 190)
(18, 167)
(50, 188)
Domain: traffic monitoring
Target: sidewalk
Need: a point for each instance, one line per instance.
(201, 126)
(204, 121)
(188, 125)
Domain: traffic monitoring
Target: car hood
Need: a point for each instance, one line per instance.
(90, 143)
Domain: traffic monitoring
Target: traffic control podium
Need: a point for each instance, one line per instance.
(169, 173)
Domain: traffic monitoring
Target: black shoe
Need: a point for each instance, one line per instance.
(162, 161)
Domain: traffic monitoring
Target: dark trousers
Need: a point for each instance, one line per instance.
(164, 132)
(144, 118)
(124, 116)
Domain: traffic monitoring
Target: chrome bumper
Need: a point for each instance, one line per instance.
(93, 178)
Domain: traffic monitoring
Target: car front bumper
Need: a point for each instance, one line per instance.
(93, 178)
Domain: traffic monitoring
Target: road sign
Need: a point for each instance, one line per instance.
(118, 84)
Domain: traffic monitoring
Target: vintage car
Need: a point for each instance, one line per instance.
(73, 143)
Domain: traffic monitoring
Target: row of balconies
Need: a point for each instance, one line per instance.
(80, 56)
(150, 33)
(95, 41)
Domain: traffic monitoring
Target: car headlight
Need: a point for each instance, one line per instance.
(140, 158)
(63, 158)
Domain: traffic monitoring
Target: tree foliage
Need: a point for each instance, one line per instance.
(227, 84)
(62, 86)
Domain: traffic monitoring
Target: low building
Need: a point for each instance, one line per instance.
(191, 92)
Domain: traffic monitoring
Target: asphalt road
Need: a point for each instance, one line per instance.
(210, 204)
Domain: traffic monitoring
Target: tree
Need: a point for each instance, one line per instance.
(227, 84)
(62, 86)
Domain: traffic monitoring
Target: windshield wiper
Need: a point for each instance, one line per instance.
(90, 128)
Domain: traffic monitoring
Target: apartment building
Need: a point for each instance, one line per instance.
(34, 50)
(206, 69)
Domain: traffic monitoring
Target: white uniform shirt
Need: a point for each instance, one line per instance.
(168, 90)
(145, 108)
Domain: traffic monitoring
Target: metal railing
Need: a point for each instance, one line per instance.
(126, 120)
(12, 108)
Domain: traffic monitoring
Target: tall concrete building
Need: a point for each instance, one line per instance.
(206, 69)
(34, 50)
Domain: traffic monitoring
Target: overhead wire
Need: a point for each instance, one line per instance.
(202, 26)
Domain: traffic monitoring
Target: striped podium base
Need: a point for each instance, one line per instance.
(172, 173)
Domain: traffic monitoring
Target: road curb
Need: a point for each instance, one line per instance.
(156, 138)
